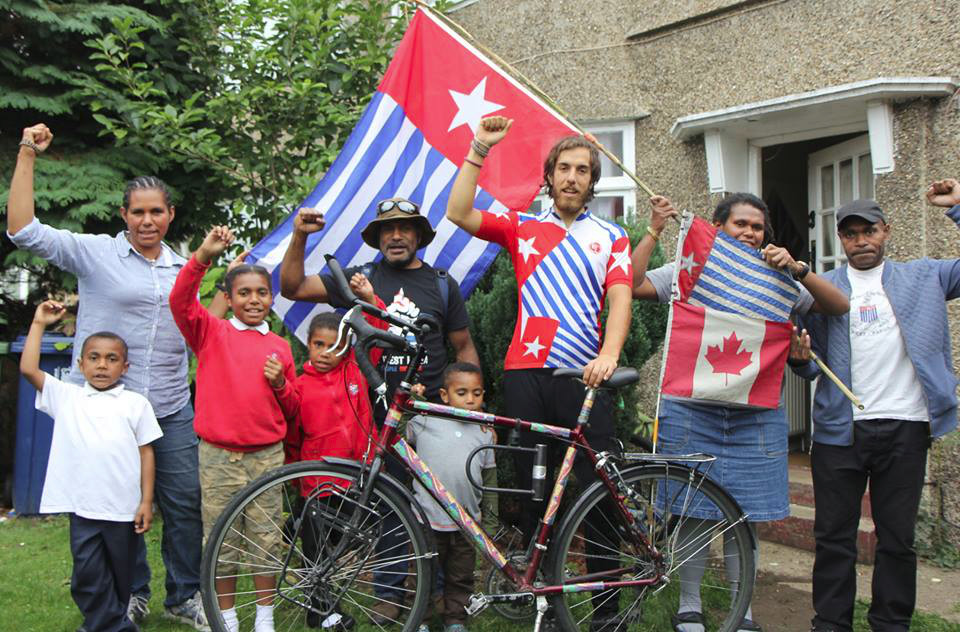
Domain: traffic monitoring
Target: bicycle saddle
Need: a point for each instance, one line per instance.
(621, 377)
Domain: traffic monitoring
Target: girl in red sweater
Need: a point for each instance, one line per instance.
(246, 396)
(335, 420)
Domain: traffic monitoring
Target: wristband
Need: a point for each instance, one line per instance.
(482, 149)
(653, 233)
(474, 163)
(26, 142)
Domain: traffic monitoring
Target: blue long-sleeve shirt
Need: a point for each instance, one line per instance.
(918, 291)
(123, 292)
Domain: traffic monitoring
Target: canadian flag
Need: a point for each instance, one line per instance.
(719, 356)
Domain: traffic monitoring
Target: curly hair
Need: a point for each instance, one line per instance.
(722, 213)
(564, 144)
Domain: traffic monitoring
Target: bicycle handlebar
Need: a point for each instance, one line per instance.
(369, 336)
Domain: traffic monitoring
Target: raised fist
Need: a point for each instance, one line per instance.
(492, 129)
(308, 220)
(944, 193)
(38, 134)
(48, 312)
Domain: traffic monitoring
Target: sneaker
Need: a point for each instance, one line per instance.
(189, 612)
(455, 627)
(137, 609)
(384, 613)
(338, 622)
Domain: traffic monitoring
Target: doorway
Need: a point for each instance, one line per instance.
(803, 183)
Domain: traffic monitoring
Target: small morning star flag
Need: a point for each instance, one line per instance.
(729, 331)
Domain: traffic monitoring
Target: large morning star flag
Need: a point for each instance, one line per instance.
(410, 142)
(729, 331)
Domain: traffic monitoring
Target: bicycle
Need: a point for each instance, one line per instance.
(349, 530)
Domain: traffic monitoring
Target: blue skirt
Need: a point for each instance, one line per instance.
(751, 450)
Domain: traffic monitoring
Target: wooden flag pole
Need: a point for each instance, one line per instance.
(519, 76)
(836, 380)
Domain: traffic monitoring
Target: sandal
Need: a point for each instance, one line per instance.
(686, 617)
(748, 625)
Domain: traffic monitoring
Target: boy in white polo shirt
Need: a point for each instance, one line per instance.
(100, 471)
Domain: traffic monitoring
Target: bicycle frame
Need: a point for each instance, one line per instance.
(392, 443)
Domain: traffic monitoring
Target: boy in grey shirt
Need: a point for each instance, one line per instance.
(444, 446)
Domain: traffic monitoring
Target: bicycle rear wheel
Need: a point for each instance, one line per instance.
(596, 544)
(328, 557)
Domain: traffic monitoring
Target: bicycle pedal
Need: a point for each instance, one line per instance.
(477, 603)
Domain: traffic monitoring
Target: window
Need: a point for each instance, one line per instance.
(616, 193)
(15, 283)
(838, 174)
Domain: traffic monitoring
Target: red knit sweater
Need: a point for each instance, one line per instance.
(236, 408)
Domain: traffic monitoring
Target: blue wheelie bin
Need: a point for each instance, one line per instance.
(35, 429)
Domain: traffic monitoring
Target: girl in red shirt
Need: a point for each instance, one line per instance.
(335, 420)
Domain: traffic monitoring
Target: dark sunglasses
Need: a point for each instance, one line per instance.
(402, 205)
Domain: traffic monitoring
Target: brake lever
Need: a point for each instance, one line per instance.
(341, 330)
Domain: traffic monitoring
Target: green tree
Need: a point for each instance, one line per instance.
(289, 79)
(47, 75)
(493, 312)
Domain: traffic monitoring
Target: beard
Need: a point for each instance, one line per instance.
(570, 205)
(402, 262)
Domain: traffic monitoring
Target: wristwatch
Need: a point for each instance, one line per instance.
(804, 270)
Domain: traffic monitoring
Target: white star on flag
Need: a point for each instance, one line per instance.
(534, 348)
(688, 263)
(472, 107)
(527, 249)
(621, 260)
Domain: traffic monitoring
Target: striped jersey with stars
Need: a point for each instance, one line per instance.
(563, 275)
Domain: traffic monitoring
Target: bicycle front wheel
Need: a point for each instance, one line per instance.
(301, 538)
(666, 544)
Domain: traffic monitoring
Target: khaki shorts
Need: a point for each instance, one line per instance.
(223, 474)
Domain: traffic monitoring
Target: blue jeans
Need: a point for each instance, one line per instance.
(177, 493)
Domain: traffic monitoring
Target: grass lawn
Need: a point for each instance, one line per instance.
(35, 589)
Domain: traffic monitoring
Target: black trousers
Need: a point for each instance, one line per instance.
(535, 395)
(104, 554)
(892, 456)
(457, 559)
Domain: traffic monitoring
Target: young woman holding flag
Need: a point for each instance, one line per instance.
(750, 443)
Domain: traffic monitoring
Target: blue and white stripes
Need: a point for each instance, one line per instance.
(736, 279)
(385, 156)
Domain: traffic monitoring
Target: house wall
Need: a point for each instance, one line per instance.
(695, 56)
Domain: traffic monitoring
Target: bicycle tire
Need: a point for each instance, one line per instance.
(656, 488)
(338, 577)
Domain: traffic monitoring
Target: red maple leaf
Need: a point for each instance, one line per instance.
(729, 360)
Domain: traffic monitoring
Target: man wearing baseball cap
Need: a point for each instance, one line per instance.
(893, 349)
(408, 286)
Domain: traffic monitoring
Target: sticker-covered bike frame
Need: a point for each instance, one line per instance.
(391, 442)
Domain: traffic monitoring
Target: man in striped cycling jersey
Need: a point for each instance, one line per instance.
(568, 264)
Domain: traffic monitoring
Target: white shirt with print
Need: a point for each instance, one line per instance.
(882, 374)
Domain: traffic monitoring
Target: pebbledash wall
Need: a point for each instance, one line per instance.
(797, 70)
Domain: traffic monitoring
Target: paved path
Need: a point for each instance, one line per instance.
(782, 596)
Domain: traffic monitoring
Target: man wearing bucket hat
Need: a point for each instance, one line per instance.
(406, 283)
(408, 286)
(893, 349)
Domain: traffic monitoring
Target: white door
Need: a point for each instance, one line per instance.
(838, 174)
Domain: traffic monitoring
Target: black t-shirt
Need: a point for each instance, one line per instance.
(408, 292)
